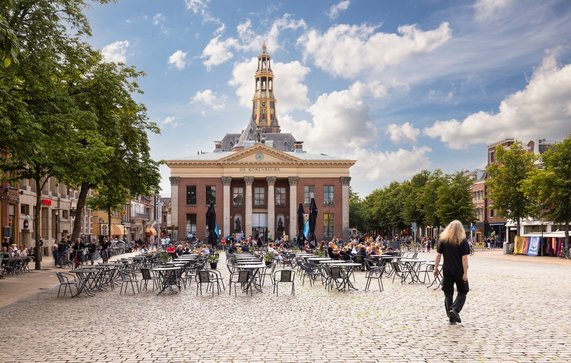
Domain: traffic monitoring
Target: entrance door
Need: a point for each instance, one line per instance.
(260, 226)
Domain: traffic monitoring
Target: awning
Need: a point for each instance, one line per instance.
(151, 231)
(118, 229)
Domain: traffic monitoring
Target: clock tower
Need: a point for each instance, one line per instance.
(264, 101)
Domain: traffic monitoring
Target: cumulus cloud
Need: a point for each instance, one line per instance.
(333, 12)
(387, 166)
(486, 9)
(209, 98)
(290, 91)
(115, 52)
(542, 109)
(168, 120)
(178, 59)
(219, 50)
(403, 133)
(351, 50)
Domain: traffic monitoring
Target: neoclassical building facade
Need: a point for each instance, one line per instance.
(258, 178)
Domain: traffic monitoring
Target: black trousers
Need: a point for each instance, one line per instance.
(448, 282)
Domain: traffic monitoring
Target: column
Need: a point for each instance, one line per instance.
(292, 206)
(345, 181)
(249, 180)
(174, 207)
(226, 192)
(271, 205)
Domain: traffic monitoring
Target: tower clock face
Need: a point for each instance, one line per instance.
(259, 156)
(263, 104)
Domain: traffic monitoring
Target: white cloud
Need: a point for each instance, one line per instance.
(219, 50)
(115, 52)
(403, 133)
(541, 110)
(201, 7)
(158, 19)
(371, 89)
(351, 50)
(290, 90)
(168, 120)
(178, 59)
(387, 166)
(209, 98)
(333, 12)
(487, 9)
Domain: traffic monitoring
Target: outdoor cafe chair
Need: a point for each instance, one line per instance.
(241, 277)
(64, 280)
(287, 276)
(374, 273)
(146, 277)
(268, 271)
(128, 278)
(311, 271)
(206, 277)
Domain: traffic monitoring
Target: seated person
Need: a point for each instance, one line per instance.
(179, 251)
(245, 247)
(170, 249)
(344, 254)
(232, 248)
(332, 251)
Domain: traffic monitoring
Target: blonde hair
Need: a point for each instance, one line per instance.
(453, 233)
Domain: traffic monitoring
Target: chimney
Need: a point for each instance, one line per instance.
(298, 146)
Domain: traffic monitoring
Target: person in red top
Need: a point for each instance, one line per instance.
(455, 249)
(170, 249)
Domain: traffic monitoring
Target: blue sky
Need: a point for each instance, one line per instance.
(399, 86)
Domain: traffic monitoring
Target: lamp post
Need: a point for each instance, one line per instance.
(57, 225)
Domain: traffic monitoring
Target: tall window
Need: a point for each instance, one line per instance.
(210, 194)
(238, 196)
(259, 197)
(328, 195)
(280, 196)
(328, 229)
(308, 193)
(191, 194)
(191, 224)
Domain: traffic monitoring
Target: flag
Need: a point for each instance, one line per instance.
(306, 229)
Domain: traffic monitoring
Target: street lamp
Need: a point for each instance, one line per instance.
(57, 225)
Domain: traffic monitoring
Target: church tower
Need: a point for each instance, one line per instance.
(264, 102)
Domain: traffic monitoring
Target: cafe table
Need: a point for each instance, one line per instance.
(168, 277)
(87, 278)
(349, 268)
(254, 270)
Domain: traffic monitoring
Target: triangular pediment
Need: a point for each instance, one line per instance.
(261, 154)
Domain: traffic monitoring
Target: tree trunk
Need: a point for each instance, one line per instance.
(80, 206)
(566, 244)
(38, 263)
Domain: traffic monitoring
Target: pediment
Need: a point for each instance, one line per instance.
(260, 154)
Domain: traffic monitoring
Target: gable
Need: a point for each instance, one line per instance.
(260, 154)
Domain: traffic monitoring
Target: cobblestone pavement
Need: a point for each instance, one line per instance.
(515, 312)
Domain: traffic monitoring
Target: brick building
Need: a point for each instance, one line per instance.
(258, 178)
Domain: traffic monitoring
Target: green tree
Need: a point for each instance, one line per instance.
(38, 117)
(356, 212)
(505, 182)
(550, 188)
(429, 198)
(454, 199)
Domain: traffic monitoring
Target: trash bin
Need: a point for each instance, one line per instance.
(508, 248)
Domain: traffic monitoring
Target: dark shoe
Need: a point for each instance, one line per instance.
(455, 316)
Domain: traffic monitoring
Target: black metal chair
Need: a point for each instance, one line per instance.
(268, 271)
(240, 277)
(311, 271)
(205, 277)
(374, 273)
(128, 278)
(146, 277)
(287, 276)
(64, 280)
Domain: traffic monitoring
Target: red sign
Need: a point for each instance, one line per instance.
(47, 202)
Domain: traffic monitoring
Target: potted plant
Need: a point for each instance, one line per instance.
(268, 258)
(165, 257)
(213, 260)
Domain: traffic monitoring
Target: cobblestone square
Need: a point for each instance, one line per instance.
(517, 311)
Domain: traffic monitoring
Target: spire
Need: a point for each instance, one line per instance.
(264, 102)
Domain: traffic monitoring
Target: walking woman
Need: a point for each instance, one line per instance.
(455, 249)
